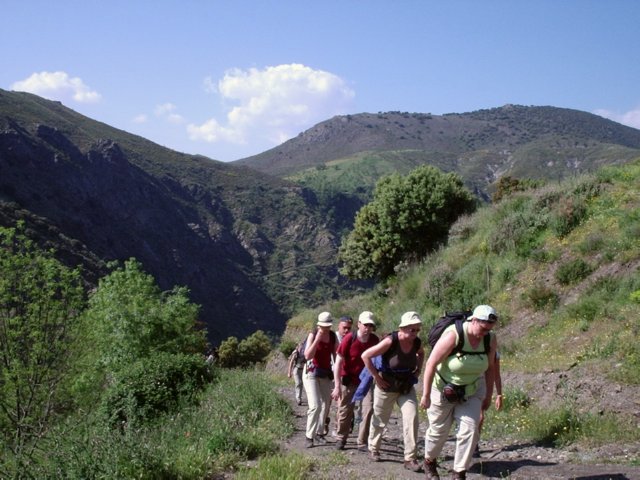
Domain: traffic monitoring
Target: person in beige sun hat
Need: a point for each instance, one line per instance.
(402, 355)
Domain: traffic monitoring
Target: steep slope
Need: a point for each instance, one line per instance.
(248, 246)
(535, 142)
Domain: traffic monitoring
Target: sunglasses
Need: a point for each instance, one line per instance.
(492, 319)
(414, 330)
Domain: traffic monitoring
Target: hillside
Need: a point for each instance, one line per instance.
(532, 142)
(250, 247)
(561, 265)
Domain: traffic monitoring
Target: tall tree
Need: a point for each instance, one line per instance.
(40, 304)
(408, 217)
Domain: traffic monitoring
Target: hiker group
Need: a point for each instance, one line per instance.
(368, 375)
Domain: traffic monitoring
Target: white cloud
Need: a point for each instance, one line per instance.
(142, 118)
(273, 104)
(167, 111)
(57, 86)
(630, 118)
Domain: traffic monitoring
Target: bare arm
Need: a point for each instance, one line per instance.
(312, 344)
(498, 381)
(441, 351)
(292, 360)
(337, 391)
(368, 354)
(489, 374)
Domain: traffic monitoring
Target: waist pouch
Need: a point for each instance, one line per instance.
(317, 372)
(454, 393)
(398, 383)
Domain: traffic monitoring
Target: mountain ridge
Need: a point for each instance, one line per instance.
(480, 145)
(240, 241)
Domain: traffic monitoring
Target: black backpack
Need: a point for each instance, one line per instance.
(457, 319)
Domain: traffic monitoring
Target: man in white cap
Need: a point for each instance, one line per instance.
(347, 370)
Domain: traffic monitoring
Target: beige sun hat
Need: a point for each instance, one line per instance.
(366, 318)
(409, 318)
(325, 319)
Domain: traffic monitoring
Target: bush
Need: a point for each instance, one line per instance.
(251, 350)
(567, 216)
(541, 296)
(286, 347)
(154, 386)
(573, 271)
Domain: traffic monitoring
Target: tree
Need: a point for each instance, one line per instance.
(251, 350)
(408, 217)
(41, 301)
(131, 319)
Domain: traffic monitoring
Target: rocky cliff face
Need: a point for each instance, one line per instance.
(227, 234)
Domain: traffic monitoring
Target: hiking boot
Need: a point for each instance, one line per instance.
(412, 465)
(459, 475)
(325, 431)
(431, 470)
(362, 448)
(340, 444)
(374, 456)
(320, 440)
(308, 442)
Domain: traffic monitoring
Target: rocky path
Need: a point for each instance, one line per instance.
(519, 462)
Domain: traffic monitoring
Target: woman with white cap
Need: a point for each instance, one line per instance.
(458, 387)
(320, 352)
(401, 355)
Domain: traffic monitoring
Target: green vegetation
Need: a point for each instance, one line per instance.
(40, 303)
(556, 425)
(560, 264)
(117, 386)
(408, 217)
(251, 350)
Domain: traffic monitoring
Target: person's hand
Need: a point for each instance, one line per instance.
(498, 402)
(336, 394)
(289, 374)
(425, 402)
(381, 382)
(322, 333)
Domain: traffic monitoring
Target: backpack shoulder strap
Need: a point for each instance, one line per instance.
(460, 345)
(487, 343)
(389, 353)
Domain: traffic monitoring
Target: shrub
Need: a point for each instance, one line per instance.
(594, 242)
(567, 216)
(573, 271)
(153, 386)
(541, 296)
(251, 350)
(286, 347)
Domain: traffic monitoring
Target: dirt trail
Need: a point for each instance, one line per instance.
(516, 462)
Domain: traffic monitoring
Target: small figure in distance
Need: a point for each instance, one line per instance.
(295, 369)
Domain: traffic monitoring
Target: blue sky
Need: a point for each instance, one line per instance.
(229, 79)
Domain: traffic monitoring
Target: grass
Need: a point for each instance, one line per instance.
(239, 417)
(554, 425)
